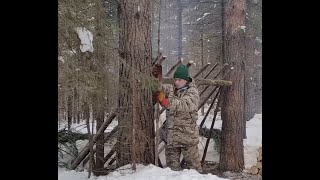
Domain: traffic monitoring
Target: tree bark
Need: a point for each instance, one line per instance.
(91, 162)
(74, 120)
(202, 63)
(180, 8)
(251, 62)
(100, 95)
(86, 114)
(99, 116)
(78, 112)
(69, 106)
(231, 156)
(135, 43)
(223, 32)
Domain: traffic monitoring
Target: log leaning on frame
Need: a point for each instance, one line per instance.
(86, 150)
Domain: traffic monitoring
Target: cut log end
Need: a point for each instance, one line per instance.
(260, 172)
(260, 151)
(259, 165)
(259, 158)
(254, 170)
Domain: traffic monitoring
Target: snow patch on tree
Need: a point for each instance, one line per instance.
(256, 52)
(204, 15)
(86, 38)
(258, 39)
(243, 28)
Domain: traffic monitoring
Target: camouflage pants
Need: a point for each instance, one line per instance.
(190, 154)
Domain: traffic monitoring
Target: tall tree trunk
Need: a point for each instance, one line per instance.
(79, 110)
(86, 115)
(102, 88)
(246, 105)
(69, 111)
(249, 95)
(231, 156)
(223, 33)
(158, 53)
(76, 105)
(99, 116)
(202, 64)
(135, 45)
(180, 8)
(74, 92)
(61, 106)
(258, 93)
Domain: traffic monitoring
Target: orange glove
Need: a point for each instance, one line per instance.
(163, 100)
(161, 96)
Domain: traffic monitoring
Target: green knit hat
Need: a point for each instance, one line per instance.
(182, 72)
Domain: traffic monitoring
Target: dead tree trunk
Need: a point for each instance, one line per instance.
(251, 61)
(99, 99)
(74, 120)
(223, 32)
(231, 156)
(78, 112)
(135, 48)
(77, 108)
(202, 64)
(69, 106)
(180, 8)
(86, 115)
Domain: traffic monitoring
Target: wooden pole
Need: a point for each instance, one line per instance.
(201, 82)
(112, 161)
(202, 63)
(210, 132)
(214, 78)
(86, 150)
(211, 106)
(173, 68)
(108, 156)
(201, 70)
(210, 71)
(220, 71)
(157, 134)
(159, 27)
(91, 163)
(104, 141)
(208, 96)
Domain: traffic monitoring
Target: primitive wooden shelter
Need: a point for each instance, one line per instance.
(88, 152)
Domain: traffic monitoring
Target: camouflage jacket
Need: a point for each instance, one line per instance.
(180, 128)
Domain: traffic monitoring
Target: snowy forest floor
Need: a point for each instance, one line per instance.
(152, 172)
(212, 169)
(251, 145)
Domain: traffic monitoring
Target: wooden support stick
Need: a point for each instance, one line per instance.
(210, 132)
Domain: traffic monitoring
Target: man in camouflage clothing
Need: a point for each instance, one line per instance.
(180, 131)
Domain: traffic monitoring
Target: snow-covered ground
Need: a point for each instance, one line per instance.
(212, 155)
(251, 145)
(149, 172)
(253, 141)
(82, 127)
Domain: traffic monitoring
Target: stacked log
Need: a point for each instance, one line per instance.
(257, 169)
